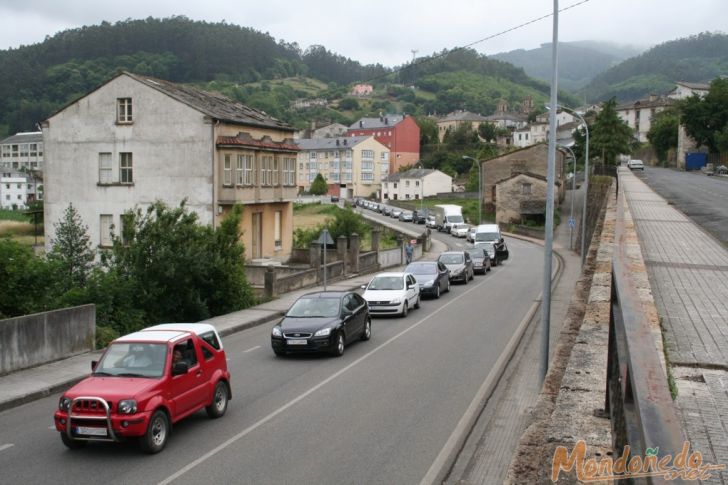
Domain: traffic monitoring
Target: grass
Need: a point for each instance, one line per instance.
(10, 215)
(21, 232)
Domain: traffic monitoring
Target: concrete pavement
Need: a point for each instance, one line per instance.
(30, 384)
(688, 273)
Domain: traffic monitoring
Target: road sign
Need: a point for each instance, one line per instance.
(572, 222)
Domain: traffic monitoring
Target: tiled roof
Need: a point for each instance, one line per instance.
(698, 86)
(646, 103)
(245, 140)
(507, 117)
(414, 173)
(330, 143)
(385, 121)
(30, 137)
(464, 116)
(214, 105)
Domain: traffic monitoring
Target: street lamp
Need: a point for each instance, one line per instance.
(480, 187)
(586, 179)
(422, 191)
(573, 188)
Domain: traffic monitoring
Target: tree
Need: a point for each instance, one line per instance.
(487, 132)
(347, 222)
(26, 281)
(349, 104)
(319, 185)
(473, 179)
(428, 130)
(705, 119)
(663, 132)
(610, 136)
(71, 250)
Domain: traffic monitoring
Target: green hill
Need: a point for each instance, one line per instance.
(579, 62)
(699, 58)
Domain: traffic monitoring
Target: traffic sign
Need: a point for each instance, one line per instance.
(572, 222)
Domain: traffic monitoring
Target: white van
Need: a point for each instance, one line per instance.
(489, 236)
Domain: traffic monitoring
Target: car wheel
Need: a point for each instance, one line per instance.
(157, 433)
(219, 401)
(405, 310)
(472, 275)
(448, 286)
(279, 353)
(338, 349)
(417, 302)
(71, 443)
(437, 291)
(367, 333)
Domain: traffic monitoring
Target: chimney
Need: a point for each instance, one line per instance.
(653, 97)
(361, 123)
(337, 142)
(345, 142)
(386, 121)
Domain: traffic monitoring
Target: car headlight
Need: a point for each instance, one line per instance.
(277, 332)
(429, 283)
(127, 406)
(396, 301)
(64, 403)
(324, 332)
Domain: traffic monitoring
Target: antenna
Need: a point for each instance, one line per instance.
(414, 75)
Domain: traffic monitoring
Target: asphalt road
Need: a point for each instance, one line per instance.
(704, 199)
(379, 414)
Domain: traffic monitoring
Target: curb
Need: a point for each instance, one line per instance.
(40, 393)
(446, 459)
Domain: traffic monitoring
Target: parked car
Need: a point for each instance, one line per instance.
(481, 259)
(387, 211)
(636, 165)
(396, 213)
(392, 294)
(459, 230)
(322, 322)
(489, 237)
(471, 234)
(420, 216)
(460, 265)
(405, 216)
(431, 222)
(721, 170)
(145, 382)
(432, 276)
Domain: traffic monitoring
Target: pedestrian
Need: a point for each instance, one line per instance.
(409, 251)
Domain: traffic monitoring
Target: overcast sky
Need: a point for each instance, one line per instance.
(386, 31)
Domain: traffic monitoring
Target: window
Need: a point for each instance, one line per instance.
(406, 183)
(395, 185)
(312, 156)
(248, 167)
(239, 171)
(526, 189)
(24, 150)
(367, 154)
(384, 156)
(105, 223)
(123, 110)
(368, 166)
(346, 177)
(227, 171)
(126, 173)
(105, 174)
(367, 177)
(277, 230)
(33, 149)
(266, 169)
(18, 185)
(211, 339)
(417, 183)
(275, 172)
(289, 170)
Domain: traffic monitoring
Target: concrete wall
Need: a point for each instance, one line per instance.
(36, 339)
(169, 141)
(390, 257)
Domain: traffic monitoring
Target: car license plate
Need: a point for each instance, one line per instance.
(91, 431)
(297, 342)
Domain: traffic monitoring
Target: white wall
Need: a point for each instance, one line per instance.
(172, 150)
(13, 191)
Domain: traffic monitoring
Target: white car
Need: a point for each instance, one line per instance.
(459, 230)
(636, 165)
(392, 294)
(471, 234)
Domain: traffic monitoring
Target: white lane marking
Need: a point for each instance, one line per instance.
(250, 350)
(5, 447)
(315, 388)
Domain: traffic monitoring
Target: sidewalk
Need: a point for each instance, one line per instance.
(31, 384)
(688, 274)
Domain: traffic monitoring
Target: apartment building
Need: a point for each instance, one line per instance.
(415, 184)
(399, 133)
(22, 151)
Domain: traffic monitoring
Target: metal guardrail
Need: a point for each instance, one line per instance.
(638, 398)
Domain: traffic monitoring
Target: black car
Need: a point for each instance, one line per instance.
(432, 276)
(322, 322)
(460, 265)
(481, 259)
(420, 216)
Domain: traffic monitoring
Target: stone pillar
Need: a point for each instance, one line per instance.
(270, 283)
(354, 247)
(314, 255)
(376, 236)
(341, 251)
(400, 245)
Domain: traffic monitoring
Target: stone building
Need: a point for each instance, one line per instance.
(522, 196)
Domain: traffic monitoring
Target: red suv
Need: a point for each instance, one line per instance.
(145, 382)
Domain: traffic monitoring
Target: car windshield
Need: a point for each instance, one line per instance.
(421, 268)
(486, 236)
(314, 307)
(133, 359)
(455, 219)
(386, 283)
(476, 253)
(451, 259)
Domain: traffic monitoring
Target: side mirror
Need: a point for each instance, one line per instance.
(409, 287)
(363, 287)
(94, 363)
(180, 368)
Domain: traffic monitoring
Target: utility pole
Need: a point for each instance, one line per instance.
(414, 76)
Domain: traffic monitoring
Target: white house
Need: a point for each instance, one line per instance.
(638, 114)
(22, 150)
(684, 90)
(415, 184)
(13, 191)
(136, 139)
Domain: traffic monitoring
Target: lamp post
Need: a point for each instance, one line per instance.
(573, 188)
(480, 187)
(586, 180)
(422, 191)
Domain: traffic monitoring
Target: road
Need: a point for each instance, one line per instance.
(380, 414)
(704, 199)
